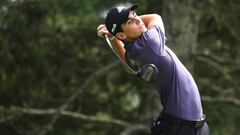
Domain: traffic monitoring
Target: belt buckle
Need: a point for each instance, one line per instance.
(198, 123)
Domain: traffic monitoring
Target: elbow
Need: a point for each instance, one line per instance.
(156, 16)
(156, 19)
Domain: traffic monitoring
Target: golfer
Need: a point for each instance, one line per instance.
(141, 40)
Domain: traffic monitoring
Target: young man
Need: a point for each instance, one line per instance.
(140, 40)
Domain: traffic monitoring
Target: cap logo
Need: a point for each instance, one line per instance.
(114, 27)
(120, 9)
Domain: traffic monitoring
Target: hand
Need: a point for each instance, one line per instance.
(102, 30)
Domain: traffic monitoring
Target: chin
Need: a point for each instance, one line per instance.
(144, 29)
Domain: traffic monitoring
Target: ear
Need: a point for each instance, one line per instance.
(121, 36)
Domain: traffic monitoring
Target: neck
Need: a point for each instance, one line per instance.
(129, 40)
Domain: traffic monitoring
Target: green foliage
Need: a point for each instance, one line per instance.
(51, 58)
(218, 68)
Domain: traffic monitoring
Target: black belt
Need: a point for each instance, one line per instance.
(178, 121)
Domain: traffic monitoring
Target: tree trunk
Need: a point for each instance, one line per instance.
(181, 19)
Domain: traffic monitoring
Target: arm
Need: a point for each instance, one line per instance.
(117, 44)
(119, 47)
(152, 19)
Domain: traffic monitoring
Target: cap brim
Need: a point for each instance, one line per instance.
(126, 12)
(133, 7)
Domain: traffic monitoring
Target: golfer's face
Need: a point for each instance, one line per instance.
(134, 27)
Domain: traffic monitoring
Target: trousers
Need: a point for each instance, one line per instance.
(163, 127)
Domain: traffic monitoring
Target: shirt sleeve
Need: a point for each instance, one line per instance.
(148, 47)
(155, 39)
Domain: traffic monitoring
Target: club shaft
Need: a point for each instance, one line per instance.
(121, 60)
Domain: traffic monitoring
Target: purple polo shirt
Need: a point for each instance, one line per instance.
(176, 86)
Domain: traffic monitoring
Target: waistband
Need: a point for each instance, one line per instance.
(179, 121)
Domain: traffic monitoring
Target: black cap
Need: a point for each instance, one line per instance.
(117, 16)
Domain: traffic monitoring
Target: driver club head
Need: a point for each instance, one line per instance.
(149, 73)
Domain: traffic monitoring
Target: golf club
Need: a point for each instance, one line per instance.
(148, 72)
(122, 61)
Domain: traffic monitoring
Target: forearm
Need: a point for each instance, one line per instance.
(117, 44)
(151, 19)
(119, 47)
